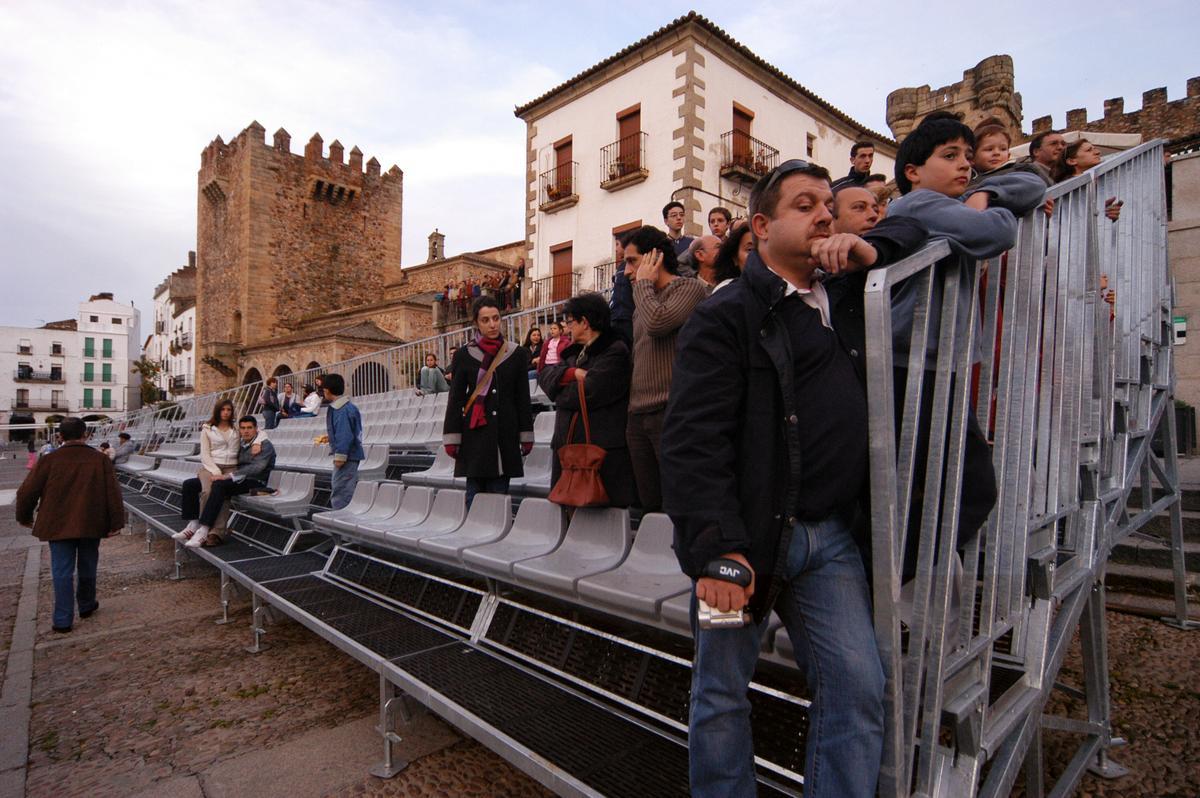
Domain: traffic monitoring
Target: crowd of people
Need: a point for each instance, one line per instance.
(725, 381)
(505, 287)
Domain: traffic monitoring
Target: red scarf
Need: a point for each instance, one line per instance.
(490, 348)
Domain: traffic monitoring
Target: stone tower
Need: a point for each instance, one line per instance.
(437, 246)
(281, 236)
(987, 90)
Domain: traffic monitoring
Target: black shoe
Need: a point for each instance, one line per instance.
(88, 614)
(61, 629)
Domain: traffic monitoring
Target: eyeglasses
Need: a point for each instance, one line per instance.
(783, 170)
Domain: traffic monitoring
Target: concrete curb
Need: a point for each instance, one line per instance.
(18, 682)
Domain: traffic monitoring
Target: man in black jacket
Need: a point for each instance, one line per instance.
(764, 456)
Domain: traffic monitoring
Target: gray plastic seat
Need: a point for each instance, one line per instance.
(415, 507)
(376, 462)
(536, 531)
(538, 465)
(543, 427)
(137, 464)
(676, 613)
(447, 514)
(388, 497)
(649, 576)
(360, 503)
(598, 540)
(488, 520)
(440, 474)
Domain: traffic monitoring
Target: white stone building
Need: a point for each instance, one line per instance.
(80, 366)
(687, 113)
(171, 343)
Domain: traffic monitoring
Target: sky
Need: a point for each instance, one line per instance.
(105, 106)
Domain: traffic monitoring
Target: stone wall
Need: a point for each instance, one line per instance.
(282, 236)
(986, 90)
(1156, 119)
(1183, 245)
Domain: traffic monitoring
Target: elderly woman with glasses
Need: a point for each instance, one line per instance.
(598, 360)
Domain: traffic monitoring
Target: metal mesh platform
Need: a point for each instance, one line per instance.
(265, 569)
(237, 550)
(607, 752)
(448, 602)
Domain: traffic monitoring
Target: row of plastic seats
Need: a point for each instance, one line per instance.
(440, 474)
(398, 399)
(597, 560)
(172, 472)
(173, 450)
(138, 463)
(294, 494)
(317, 458)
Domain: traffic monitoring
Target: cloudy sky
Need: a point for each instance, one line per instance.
(105, 105)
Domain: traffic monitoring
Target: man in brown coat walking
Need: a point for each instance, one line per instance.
(78, 501)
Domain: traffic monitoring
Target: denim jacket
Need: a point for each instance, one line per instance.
(343, 424)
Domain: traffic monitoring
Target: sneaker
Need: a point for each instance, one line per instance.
(197, 540)
(182, 535)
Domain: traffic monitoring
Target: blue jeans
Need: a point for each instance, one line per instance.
(826, 608)
(63, 556)
(343, 482)
(485, 485)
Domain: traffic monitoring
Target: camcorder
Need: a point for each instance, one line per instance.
(725, 570)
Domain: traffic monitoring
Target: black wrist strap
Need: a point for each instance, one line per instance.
(727, 570)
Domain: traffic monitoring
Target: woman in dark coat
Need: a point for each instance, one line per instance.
(489, 437)
(599, 359)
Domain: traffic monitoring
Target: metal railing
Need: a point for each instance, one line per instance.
(742, 152)
(557, 183)
(602, 275)
(28, 375)
(1070, 392)
(104, 379)
(181, 382)
(625, 156)
(41, 404)
(185, 340)
(555, 288)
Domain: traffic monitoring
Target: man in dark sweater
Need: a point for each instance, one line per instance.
(764, 464)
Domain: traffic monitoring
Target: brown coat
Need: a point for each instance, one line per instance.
(75, 491)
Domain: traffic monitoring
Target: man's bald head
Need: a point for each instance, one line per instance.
(855, 210)
(704, 255)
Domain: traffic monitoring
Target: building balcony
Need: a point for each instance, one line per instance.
(745, 158)
(97, 379)
(554, 288)
(557, 188)
(181, 383)
(56, 350)
(623, 163)
(42, 405)
(24, 350)
(602, 275)
(185, 340)
(160, 327)
(29, 375)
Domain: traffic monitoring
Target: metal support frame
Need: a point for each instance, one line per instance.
(178, 575)
(258, 618)
(228, 587)
(391, 701)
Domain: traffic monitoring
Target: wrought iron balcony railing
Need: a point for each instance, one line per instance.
(555, 288)
(557, 187)
(623, 162)
(745, 157)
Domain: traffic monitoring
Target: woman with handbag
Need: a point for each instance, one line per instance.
(590, 390)
(489, 422)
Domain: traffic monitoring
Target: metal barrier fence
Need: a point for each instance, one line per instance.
(1069, 390)
(387, 370)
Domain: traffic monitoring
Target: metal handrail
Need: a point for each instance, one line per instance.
(1056, 366)
(557, 183)
(740, 150)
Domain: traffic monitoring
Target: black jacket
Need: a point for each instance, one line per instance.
(731, 437)
(493, 450)
(606, 387)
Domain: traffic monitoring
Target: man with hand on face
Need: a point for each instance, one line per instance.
(764, 463)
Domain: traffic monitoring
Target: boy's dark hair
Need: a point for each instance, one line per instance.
(861, 145)
(272, 381)
(248, 420)
(726, 265)
(105, 445)
(592, 307)
(335, 384)
(624, 236)
(876, 178)
(483, 302)
(937, 129)
(673, 204)
(764, 197)
(723, 211)
(648, 237)
(125, 436)
(72, 429)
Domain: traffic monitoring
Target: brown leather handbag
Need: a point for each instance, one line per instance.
(580, 485)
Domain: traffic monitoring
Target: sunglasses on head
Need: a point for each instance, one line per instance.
(783, 170)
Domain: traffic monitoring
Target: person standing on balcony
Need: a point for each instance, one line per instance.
(488, 427)
(862, 155)
(77, 501)
(663, 301)
(673, 217)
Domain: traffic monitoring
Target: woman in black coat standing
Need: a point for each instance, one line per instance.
(489, 423)
(599, 360)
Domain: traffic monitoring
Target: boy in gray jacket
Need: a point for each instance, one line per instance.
(933, 172)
